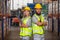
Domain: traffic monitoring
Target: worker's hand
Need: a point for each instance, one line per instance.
(39, 23)
(25, 26)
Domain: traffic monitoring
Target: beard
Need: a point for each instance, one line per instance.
(38, 13)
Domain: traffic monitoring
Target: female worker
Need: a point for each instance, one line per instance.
(25, 28)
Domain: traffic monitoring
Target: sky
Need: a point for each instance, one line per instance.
(15, 4)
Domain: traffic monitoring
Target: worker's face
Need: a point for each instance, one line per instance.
(26, 13)
(38, 11)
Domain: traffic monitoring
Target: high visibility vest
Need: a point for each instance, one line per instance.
(25, 31)
(38, 29)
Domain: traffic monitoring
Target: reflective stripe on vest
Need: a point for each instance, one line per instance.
(38, 29)
(25, 31)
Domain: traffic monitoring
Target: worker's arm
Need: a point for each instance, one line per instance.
(39, 23)
(35, 20)
(42, 23)
(22, 24)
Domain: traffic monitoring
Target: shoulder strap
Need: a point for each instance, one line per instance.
(38, 17)
(25, 19)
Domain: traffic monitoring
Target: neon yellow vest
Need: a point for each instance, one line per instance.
(38, 29)
(25, 31)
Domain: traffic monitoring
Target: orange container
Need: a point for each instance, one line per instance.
(15, 20)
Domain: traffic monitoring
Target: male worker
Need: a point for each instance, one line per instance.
(25, 28)
(38, 23)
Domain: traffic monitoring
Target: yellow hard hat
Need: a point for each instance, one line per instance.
(27, 8)
(38, 5)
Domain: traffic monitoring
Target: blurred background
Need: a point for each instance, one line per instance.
(11, 9)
